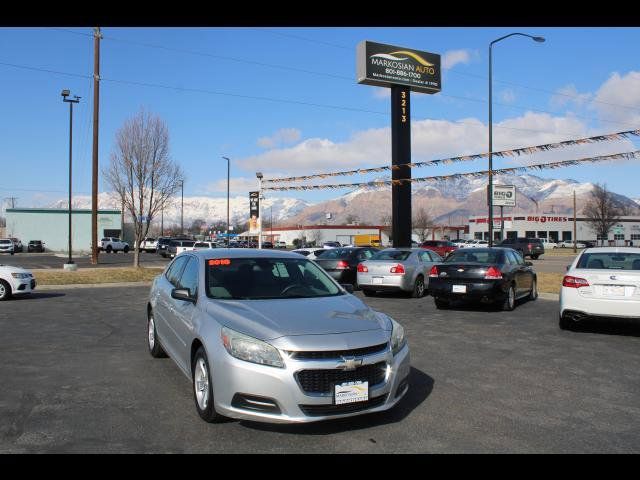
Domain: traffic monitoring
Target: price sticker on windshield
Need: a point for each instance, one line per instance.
(220, 261)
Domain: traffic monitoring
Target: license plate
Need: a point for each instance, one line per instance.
(459, 288)
(351, 392)
(377, 280)
(613, 290)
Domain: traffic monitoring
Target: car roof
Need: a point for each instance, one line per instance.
(612, 250)
(243, 253)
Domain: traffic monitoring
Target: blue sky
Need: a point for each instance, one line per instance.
(311, 115)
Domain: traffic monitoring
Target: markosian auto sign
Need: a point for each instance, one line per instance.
(387, 65)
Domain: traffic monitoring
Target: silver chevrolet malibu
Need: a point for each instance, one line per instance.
(269, 336)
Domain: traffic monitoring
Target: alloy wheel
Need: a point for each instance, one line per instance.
(201, 384)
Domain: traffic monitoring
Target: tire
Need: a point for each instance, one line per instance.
(566, 324)
(534, 257)
(5, 290)
(419, 288)
(109, 249)
(203, 388)
(441, 304)
(533, 294)
(155, 349)
(126, 249)
(509, 303)
(368, 293)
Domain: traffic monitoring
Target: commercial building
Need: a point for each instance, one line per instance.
(555, 228)
(345, 234)
(52, 227)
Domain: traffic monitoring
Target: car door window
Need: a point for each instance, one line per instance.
(173, 274)
(424, 256)
(189, 277)
(517, 259)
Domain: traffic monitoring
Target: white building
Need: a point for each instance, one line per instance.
(318, 234)
(554, 227)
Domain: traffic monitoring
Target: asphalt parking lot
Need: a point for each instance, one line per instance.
(50, 260)
(76, 377)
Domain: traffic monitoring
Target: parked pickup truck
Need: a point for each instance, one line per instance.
(113, 244)
(149, 245)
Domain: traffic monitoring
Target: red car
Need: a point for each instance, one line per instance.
(441, 247)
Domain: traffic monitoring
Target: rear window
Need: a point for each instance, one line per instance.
(475, 256)
(335, 253)
(188, 244)
(609, 261)
(396, 255)
(430, 244)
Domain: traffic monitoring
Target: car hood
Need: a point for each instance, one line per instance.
(271, 319)
(12, 269)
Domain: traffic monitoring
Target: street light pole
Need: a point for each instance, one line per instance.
(65, 93)
(228, 171)
(181, 206)
(490, 192)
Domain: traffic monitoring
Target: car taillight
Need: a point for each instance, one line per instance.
(399, 268)
(493, 273)
(342, 265)
(362, 268)
(574, 282)
(433, 272)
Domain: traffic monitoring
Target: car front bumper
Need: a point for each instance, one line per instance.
(279, 386)
(22, 286)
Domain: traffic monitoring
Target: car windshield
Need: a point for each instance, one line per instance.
(267, 278)
(474, 256)
(609, 261)
(396, 255)
(5, 242)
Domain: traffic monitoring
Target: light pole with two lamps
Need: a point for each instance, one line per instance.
(490, 192)
(70, 265)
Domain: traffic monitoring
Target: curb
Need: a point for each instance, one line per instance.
(72, 286)
(549, 296)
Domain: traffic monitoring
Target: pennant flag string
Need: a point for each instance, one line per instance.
(542, 166)
(465, 158)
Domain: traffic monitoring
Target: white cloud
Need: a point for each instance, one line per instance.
(431, 139)
(507, 96)
(284, 136)
(453, 57)
(618, 99)
(236, 185)
(569, 94)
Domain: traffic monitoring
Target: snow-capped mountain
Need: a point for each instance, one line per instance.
(210, 210)
(454, 200)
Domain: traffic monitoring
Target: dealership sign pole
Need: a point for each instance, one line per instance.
(503, 196)
(402, 70)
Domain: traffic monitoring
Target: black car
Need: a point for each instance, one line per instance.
(490, 275)
(528, 247)
(35, 246)
(163, 245)
(267, 245)
(342, 263)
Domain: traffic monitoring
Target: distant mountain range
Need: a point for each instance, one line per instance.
(447, 202)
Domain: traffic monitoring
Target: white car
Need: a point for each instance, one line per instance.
(310, 253)
(149, 245)
(548, 244)
(15, 281)
(113, 244)
(601, 283)
(477, 244)
(202, 245)
(6, 246)
(569, 244)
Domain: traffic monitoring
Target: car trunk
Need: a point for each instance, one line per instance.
(462, 271)
(612, 284)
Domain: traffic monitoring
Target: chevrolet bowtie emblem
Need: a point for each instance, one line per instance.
(350, 363)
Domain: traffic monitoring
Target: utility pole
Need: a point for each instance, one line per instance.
(94, 177)
(575, 246)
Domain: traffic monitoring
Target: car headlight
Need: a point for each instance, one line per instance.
(250, 349)
(20, 275)
(397, 337)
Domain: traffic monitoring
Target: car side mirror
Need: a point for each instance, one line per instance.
(347, 286)
(182, 294)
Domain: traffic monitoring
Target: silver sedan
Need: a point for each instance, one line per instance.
(269, 336)
(399, 269)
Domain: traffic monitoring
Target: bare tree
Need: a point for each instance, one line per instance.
(142, 173)
(422, 223)
(602, 211)
(385, 219)
(315, 236)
